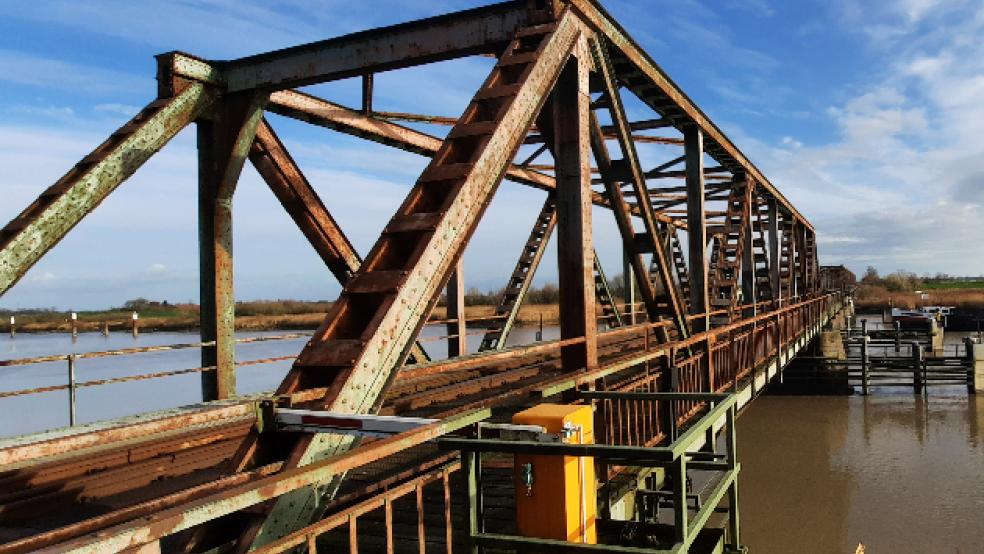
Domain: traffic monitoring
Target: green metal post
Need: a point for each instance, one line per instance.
(864, 364)
(469, 465)
(917, 363)
(678, 471)
(734, 527)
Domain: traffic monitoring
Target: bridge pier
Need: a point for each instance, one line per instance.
(975, 366)
(936, 338)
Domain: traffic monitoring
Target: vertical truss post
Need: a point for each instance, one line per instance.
(773, 238)
(367, 84)
(457, 331)
(693, 145)
(793, 232)
(629, 286)
(575, 254)
(223, 144)
(802, 260)
(748, 288)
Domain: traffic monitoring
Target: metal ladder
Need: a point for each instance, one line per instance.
(521, 278)
(603, 297)
(731, 242)
(760, 255)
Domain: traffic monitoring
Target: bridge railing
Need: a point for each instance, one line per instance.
(716, 361)
(71, 360)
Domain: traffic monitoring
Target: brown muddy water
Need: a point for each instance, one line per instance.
(898, 472)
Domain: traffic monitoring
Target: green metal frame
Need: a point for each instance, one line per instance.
(673, 457)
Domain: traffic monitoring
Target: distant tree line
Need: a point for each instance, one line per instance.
(897, 281)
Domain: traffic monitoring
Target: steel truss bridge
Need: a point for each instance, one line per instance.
(724, 272)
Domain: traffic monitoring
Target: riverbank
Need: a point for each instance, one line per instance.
(877, 299)
(181, 320)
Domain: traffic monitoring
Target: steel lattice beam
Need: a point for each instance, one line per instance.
(317, 111)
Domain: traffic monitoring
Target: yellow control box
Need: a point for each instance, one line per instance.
(556, 496)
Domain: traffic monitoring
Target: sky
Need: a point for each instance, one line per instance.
(868, 116)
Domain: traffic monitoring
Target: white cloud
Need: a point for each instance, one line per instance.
(117, 109)
(915, 10)
(28, 69)
(43, 277)
(902, 183)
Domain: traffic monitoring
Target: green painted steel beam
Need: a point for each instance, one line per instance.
(60, 208)
(496, 540)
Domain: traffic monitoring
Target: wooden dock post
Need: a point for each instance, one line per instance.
(71, 389)
(135, 320)
(864, 357)
(74, 322)
(105, 328)
(917, 363)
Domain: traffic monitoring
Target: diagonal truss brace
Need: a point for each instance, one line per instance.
(369, 331)
(321, 112)
(63, 205)
(650, 240)
(276, 166)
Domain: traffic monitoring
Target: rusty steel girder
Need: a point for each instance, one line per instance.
(367, 334)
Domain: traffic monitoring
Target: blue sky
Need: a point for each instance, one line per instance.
(867, 115)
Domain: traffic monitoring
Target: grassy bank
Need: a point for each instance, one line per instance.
(251, 316)
(879, 298)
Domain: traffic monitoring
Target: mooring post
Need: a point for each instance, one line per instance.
(74, 323)
(13, 328)
(105, 328)
(864, 356)
(71, 390)
(135, 321)
(917, 365)
(975, 366)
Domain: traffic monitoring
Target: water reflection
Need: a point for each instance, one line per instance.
(899, 472)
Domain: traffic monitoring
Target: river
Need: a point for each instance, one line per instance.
(899, 472)
(38, 412)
